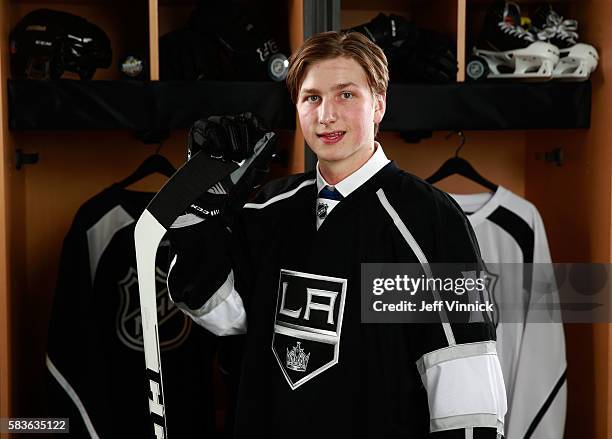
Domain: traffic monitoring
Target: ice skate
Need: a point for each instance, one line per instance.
(508, 50)
(577, 60)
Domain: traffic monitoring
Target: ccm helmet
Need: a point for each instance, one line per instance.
(46, 43)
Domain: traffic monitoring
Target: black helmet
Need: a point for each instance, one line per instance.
(46, 43)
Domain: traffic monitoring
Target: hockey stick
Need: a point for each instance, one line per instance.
(190, 182)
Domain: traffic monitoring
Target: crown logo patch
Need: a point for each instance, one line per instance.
(296, 358)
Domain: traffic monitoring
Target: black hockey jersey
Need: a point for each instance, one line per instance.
(95, 361)
(311, 368)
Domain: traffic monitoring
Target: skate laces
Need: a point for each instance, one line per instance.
(557, 26)
(510, 23)
(516, 31)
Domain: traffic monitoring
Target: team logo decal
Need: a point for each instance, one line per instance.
(309, 310)
(322, 210)
(174, 326)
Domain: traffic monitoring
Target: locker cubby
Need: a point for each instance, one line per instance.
(271, 21)
(125, 23)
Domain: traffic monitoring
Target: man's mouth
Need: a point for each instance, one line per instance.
(332, 136)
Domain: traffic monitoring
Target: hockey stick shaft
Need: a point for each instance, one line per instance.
(184, 187)
(190, 182)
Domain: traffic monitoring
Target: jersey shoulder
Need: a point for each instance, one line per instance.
(283, 190)
(415, 194)
(521, 207)
(435, 220)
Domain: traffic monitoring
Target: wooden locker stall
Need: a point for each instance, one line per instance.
(39, 201)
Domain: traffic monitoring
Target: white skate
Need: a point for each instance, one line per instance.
(535, 62)
(577, 60)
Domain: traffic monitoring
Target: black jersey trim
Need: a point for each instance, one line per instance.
(546, 405)
(518, 228)
(522, 233)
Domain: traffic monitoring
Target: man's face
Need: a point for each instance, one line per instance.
(337, 111)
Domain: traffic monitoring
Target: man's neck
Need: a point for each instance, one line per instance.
(335, 171)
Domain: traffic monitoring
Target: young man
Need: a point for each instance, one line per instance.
(289, 263)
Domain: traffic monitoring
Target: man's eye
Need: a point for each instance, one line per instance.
(347, 94)
(312, 98)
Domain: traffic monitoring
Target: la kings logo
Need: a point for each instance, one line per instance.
(174, 326)
(309, 310)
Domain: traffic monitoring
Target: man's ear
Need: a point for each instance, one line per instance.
(380, 105)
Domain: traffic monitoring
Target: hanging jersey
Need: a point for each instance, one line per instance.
(95, 360)
(311, 368)
(509, 229)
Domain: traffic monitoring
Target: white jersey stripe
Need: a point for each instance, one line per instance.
(450, 337)
(280, 197)
(73, 396)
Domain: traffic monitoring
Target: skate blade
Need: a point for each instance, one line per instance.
(527, 77)
(576, 63)
(533, 63)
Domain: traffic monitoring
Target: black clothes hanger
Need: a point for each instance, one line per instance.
(152, 164)
(458, 165)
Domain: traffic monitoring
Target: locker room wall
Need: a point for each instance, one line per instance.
(486, 151)
(39, 201)
(575, 203)
(6, 202)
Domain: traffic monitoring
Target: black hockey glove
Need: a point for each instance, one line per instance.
(243, 139)
(202, 263)
(202, 248)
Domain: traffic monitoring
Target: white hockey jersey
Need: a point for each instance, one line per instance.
(509, 229)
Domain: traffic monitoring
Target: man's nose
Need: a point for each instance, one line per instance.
(327, 112)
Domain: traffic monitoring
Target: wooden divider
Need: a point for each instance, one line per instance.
(296, 38)
(153, 40)
(461, 30)
(5, 290)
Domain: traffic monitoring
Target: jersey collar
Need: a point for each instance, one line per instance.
(479, 206)
(374, 164)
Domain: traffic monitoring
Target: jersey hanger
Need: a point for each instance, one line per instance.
(460, 166)
(155, 163)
